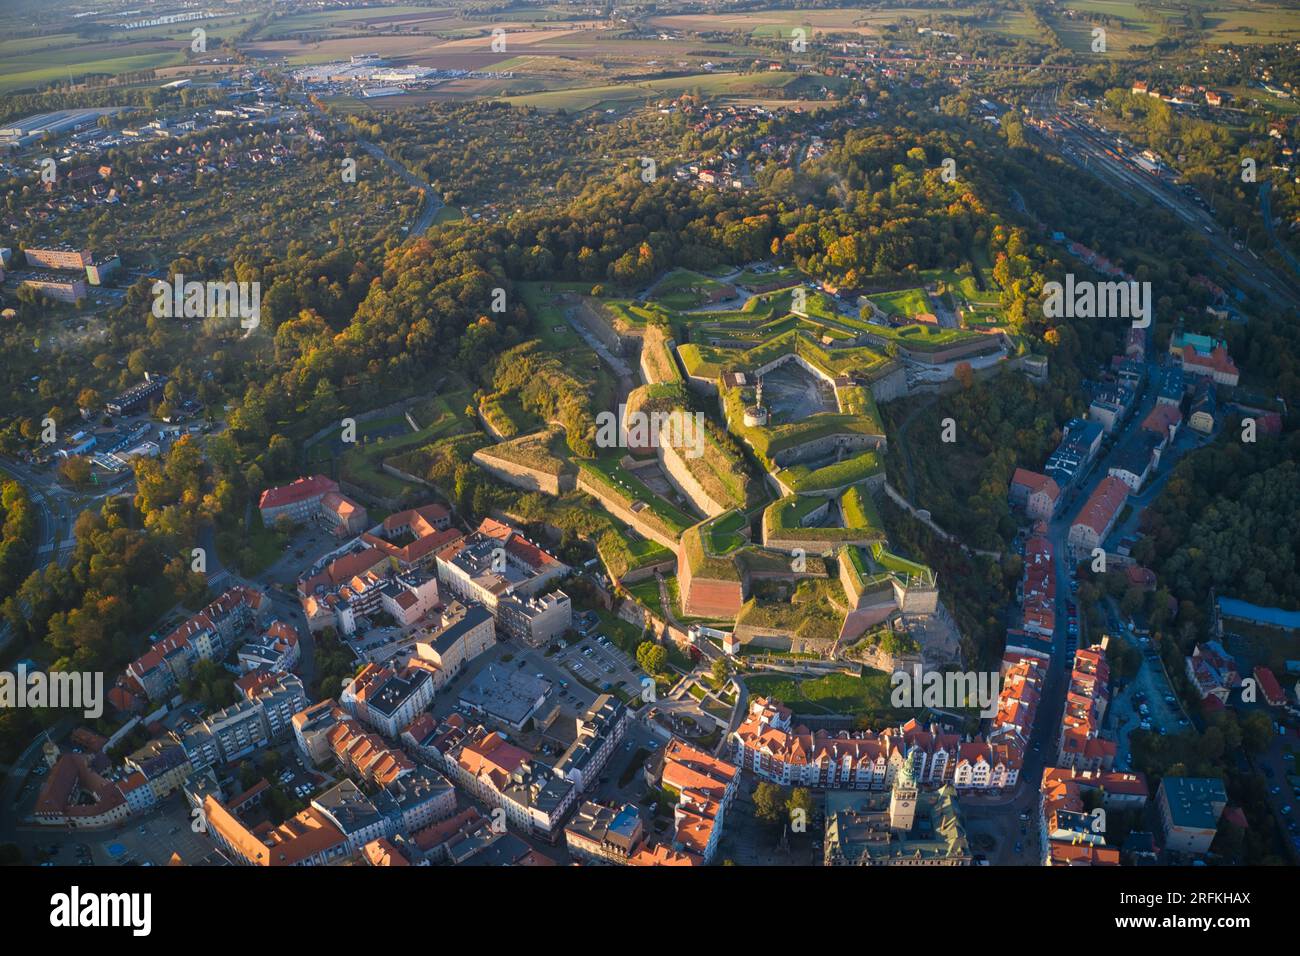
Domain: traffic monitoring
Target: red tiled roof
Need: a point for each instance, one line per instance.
(299, 490)
(1103, 504)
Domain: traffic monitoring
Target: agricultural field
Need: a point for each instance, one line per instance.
(614, 96)
(778, 24)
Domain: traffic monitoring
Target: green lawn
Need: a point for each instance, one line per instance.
(865, 696)
(723, 535)
(626, 484)
(905, 302)
(850, 471)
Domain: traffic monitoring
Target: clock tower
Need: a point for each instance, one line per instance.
(902, 798)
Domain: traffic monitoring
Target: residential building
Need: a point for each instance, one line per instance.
(276, 650)
(457, 636)
(226, 736)
(1081, 745)
(64, 257)
(1068, 834)
(1137, 457)
(770, 746)
(1097, 517)
(399, 809)
(60, 287)
(161, 766)
(599, 732)
(365, 755)
(497, 562)
(604, 834)
(705, 788)
(1079, 444)
(102, 269)
(1172, 386)
(1190, 808)
(1037, 494)
(1163, 421)
(208, 635)
(534, 797)
(1110, 403)
(280, 696)
(388, 698)
(538, 620)
(1038, 587)
(311, 729)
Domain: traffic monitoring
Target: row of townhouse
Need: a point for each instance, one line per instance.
(208, 635)
(767, 744)
(1038, 586)
(706, 787)
(1081, 746)
(1071, 836)
(402, 807)
(1023, 677)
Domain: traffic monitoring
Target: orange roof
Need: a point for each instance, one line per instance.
(1161, 418)
(295, 840)
(1103, 504)
(660, 854)
(1035, 482)
(299, 490)
(382, 852)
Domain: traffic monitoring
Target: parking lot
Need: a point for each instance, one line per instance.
(598, 662)
(147, 841)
